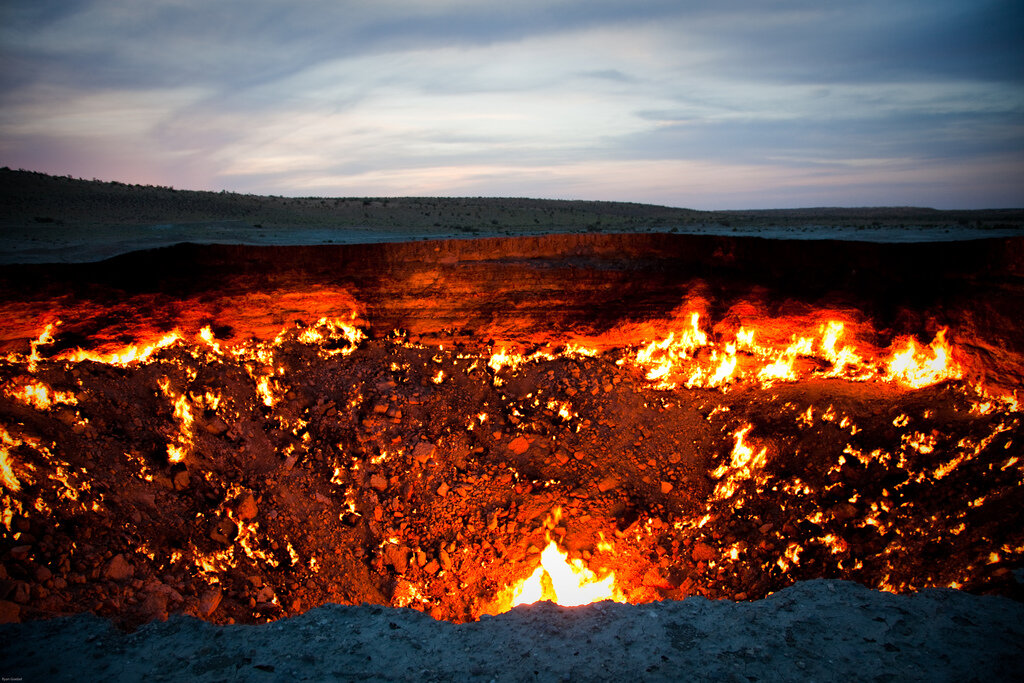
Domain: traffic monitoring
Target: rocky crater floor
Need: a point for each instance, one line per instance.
(245, 434)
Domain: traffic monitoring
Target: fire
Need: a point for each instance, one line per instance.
(7, 476)
(45, 337)
(782, 367)
(662, 357)
(916, 369)
(125, 356)
(183, 415)
(564, 582)
(697, 354)
(708, 363)
(40, 396)
(841, 358)
(743, 464)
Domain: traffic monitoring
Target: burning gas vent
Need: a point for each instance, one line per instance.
(242, 434)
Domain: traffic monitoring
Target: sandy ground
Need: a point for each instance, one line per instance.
(72, 244)
(814, 631)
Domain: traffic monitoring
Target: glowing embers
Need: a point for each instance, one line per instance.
(692, 358)
(744, 464)
(566, 582)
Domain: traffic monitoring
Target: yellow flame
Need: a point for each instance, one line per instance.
(40, 396)
(564, 582)
(743, 464)
(125, 356)
(7, 476)
(917, 368)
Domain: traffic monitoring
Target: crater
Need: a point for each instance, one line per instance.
(242, 433)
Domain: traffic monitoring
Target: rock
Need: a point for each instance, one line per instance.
(223, 531)
(446, 560)
(397, 556)
(20, 552)
(146, 498)
(247, 507)
(181, 480)
(155, 607)
(702, 552)
(118, 569)
(423, 452)
(843, 511)
(654, 579)
(216, 426)
(22, 592)
(378, 482)
(431, 567)
(519, 445)
(666, 486)
(607, 484)
(443, 489)
(10, 613)
(43, 573)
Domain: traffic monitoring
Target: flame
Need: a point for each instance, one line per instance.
(125, 356)
(177, 449)
(569, 583)
(916, 369)
(782, 367)
(45, 337)
(708, 364)
(743, 464)
(662, 357)
(264, 391)
(564, 582)
(841, 358)
(7, 476)
(40, 396)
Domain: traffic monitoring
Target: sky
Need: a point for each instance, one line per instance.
(729, 104)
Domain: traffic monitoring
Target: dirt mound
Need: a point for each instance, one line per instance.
(820, 630)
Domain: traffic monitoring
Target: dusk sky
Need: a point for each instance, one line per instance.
(710, 105)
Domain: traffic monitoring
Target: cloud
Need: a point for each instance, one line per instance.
(530, 98)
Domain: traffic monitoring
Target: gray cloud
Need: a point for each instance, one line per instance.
(247, 93)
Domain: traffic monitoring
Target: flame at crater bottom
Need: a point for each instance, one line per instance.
(564, 582)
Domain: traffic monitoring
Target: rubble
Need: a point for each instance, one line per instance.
(245, 478)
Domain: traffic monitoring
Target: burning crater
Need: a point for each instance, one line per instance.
(243, 433)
